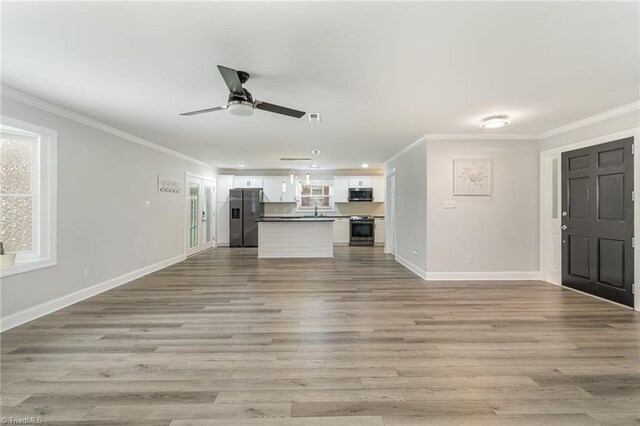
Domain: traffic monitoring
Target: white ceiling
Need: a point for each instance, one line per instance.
(381, 74)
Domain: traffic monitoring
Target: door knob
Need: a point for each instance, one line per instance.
(564, 227)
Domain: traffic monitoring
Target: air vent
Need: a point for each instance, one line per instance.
(296, 160)
(314, 117)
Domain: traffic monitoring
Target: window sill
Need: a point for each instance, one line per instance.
(25, 265)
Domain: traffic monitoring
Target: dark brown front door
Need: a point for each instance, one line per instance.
(597, 220)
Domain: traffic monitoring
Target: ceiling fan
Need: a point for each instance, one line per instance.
(240, 100)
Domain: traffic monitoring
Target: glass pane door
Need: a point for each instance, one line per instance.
(207, 217)
(194, 217)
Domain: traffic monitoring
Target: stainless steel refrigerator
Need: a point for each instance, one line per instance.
(245, 207)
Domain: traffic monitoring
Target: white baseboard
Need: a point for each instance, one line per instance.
(34, 312)
(484, 276)
(412, 267)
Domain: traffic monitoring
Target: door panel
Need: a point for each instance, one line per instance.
(578, 189)
(579, 256)
(597, 252)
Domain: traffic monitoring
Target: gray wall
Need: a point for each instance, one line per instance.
(103, 183)
(500, 231)
(411, 204)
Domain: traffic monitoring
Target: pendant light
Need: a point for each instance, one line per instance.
(284, 185)
(308, 178)
(291, 177)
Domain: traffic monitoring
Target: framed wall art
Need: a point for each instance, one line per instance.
(472, 176)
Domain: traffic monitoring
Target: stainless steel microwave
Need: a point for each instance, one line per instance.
(360, 194)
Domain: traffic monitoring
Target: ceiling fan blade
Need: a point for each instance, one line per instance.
(202, 111)
(231, 78)
(279, 109)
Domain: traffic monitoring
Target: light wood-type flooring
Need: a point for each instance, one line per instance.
(226, 339)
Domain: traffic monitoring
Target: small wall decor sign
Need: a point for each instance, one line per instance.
(167, 184)
(472, 176)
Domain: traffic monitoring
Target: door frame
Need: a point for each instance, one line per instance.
(204, 180)
(391, 228)
(546, 158)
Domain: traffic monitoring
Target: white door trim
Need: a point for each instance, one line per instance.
(545, 199)
(202, 181)
(390, 245)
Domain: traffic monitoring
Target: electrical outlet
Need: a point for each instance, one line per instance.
(87, 272)
(449, 204)
(147, 204)
(469, 258)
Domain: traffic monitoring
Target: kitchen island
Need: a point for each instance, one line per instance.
(295, 237)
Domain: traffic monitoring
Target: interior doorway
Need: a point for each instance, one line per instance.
(200, 214)
(598, 220)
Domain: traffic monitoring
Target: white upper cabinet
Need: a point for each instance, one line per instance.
(225, 183)
(273, 193)
(272, 190)
(360, 182)
(248, 182)
(340, 190)
(288, 196)
(379, 189)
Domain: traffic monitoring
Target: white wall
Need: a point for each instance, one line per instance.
(500, 231)
(411, 206)
(103, 183)
(615, 124)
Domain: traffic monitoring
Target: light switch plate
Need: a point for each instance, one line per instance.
(449, 204)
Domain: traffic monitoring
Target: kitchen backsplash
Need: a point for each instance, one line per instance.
(341, 209)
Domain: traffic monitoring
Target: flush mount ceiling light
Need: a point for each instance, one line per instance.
(240, 165)
(365, 165)
(315, 166)
(495, 122)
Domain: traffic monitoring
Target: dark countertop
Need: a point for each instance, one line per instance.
(297, 219)
(330, 216)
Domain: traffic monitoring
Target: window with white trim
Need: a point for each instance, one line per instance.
(27, 195)
(315, 194)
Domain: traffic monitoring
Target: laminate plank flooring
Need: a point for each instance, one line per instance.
(224, 338)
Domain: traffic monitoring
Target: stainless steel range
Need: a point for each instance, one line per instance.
(362, 230)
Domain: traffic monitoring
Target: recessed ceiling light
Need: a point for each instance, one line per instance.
(314, 117)
(315, 166)
(365, 165)
(315, 151)
(495, 122)
(240, 165)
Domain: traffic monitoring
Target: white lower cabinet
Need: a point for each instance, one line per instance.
(379, 231)
(341, 231)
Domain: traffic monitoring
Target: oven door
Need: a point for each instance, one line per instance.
(360, 194)
(362, 232)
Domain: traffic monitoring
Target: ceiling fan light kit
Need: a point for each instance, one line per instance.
(240, 108)
(240, 101)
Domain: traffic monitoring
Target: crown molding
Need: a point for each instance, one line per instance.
(612, 113)
(407, 148)
(46, 106)
(479, 136)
